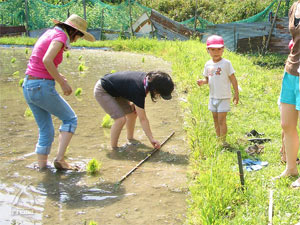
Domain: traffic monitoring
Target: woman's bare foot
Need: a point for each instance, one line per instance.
(287, 173)
(62, 165)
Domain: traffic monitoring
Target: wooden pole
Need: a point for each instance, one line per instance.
(234, 38)
(26, 17)
(84, 9)
(102, 24)
(287, 6)
(271, 207)
(272, 27)
(239, 156)
(144, 160)
(195, 22)
(130, 18)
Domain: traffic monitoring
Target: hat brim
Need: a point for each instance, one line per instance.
(86, 35)
(215, 46)
(166, 97)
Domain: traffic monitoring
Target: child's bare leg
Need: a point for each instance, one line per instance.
(116, 131)
(223, 125)
(216, 122)
(289, 118)
(130, 124)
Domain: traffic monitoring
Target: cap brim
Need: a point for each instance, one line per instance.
(87, 36)
(215, 46)
(166, 97)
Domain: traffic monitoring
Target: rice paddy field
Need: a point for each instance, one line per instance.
(207, 176)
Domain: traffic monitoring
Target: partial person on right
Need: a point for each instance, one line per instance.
(290, 98)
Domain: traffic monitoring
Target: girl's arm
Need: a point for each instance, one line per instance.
(48, 59)
(202, 81)
(234, 83)
(141, 113)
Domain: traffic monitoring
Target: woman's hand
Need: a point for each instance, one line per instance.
(155, 144)
(66, 88)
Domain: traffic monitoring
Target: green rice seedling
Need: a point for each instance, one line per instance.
(78, 92)
(93, 166)
(93, 223)
(26, 51)
(107, 121)
(80, 57)
(81, 67)
(13, 60)
(16, 74)
(28, 112)
(113, 71)
(68, 54)
(143, 59)
(21, 81)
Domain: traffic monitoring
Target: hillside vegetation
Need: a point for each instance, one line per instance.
(218, 11)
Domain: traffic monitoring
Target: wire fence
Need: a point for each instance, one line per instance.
(37, 14)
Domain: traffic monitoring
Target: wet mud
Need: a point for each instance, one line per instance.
(153, 194)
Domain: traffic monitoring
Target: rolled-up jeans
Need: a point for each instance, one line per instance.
(44, 101)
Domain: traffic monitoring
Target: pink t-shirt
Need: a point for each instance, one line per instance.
(36, 66)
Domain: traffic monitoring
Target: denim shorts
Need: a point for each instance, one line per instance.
(290, 90)
(115, 107)
(219, 105)
(44, 101)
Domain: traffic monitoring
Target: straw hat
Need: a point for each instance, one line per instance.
(79, 24)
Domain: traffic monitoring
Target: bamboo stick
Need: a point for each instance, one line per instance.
(144, 160)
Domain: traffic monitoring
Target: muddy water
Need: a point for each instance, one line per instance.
(154, 194)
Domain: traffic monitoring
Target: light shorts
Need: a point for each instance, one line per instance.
(115, 107)
(219, 105)
(290, 90)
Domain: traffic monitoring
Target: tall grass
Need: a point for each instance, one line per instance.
(215, 194)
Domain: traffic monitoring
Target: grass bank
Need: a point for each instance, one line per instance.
(215, 194)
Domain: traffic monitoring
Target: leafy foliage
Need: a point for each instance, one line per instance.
(107, 121)
(94, 166)
(78, 92)
(218, 11)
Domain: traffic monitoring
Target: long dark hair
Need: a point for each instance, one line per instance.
(159, 83)
(72, 32)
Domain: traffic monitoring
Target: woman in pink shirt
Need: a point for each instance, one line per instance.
(39, 87)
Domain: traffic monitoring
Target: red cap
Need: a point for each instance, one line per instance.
(291, 44)
(214, 41)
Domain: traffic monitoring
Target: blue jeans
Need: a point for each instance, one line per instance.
(44, 101)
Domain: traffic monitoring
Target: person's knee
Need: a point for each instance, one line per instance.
(288, 127)
(121, 121)
(222, 120)
(131, 116)
(69, 125)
